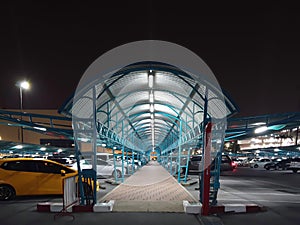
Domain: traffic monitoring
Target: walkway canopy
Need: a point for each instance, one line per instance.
(147, 105)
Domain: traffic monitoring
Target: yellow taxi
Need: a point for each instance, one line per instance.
(29, 176)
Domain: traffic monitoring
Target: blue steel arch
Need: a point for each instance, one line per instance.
(112, 115)
(181, 107)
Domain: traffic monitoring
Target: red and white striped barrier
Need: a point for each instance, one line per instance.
(236, 208)
(58, 207)
(225, 208)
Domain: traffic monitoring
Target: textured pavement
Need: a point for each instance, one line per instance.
(150, 189)
(137, 212)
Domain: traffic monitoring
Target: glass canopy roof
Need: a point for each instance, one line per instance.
(144, 103)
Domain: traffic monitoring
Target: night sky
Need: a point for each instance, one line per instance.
(253, 49)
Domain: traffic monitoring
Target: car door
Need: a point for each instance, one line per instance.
(194, 163)
(263, 162)
(50, 178)
(22, 175)
(104, 168)
(225, 163)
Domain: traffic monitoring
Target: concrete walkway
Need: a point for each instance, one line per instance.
(150, 189)
(150, 182)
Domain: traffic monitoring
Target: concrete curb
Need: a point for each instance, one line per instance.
(192, 208)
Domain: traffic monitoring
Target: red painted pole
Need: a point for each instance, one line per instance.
(206, 175)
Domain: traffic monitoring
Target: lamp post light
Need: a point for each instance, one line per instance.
(23, 85)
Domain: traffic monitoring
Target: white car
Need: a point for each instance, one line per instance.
(255, 163)
(126, 167)
(108, 157)
(103, 168)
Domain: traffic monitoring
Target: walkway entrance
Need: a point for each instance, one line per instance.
(150, 189)
(158, 101)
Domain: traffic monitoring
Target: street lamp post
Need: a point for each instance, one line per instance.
(23, 85)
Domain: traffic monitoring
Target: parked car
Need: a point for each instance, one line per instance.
(174, 163)
(135, 160)
(84, 164)
(194, 165)
(226, 163)
(255, 163)
(238, 162)
(29, 176)
(105, 156)
(278, 164)
(66, 161)
(109, 157)
(294, 165)
(104, 169)
(127, 167)
(241, 161)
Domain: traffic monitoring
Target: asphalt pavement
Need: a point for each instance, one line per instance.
(278, 191)
(23, 212)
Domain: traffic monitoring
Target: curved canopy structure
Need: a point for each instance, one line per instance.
(149, 105)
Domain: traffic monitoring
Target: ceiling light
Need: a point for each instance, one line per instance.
(151, 108)
(18, 147)
(261, 129)
(151, 97)
(150, 80)
(259, 123)
(40, 128)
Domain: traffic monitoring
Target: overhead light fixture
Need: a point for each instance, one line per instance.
(152, 134)
(18, 147)
(43, 148)
(260, 129)
(151, 97)
(150, 79)
(40, 128)
(258, 123)
(151, 108)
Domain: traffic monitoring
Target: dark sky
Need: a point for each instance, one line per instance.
(252, 48)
